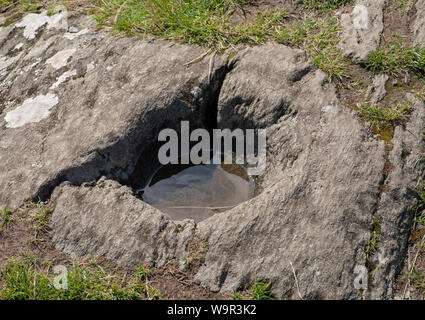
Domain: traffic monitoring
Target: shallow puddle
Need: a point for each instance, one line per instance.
(197, 191)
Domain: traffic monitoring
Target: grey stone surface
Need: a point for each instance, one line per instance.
(362, 29)
(394, 213)
(419, 23)
(102, 101)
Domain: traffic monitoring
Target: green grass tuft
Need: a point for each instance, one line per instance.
(259, 291)
(42, 217)
(322, 47)
(142, 272)
(31, 5)
(417, 277)
(318, 37)
(392, 57)
(420, 205)
(371, 248)
(238, 296)
(41, 221)
(26, 5)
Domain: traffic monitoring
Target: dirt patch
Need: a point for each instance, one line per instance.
(397, 23)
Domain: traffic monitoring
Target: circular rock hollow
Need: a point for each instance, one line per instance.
(197, 191)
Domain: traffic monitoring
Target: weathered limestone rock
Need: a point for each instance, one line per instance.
(419, 24)
(267, 102)
(376, 92)
(106, 219)
(319, 192)
(362, 29)
(79, 106)
(96, 103)
(395, 214)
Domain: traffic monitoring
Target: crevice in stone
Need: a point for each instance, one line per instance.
(300, 75)
(207, 119)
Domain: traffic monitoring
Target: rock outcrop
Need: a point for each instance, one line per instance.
(376, 92)
(105, 219)
(362, 29)
(80, 116)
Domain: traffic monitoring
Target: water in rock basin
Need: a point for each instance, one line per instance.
(197, 191)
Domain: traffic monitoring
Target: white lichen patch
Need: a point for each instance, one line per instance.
(63, 78)
(72, 36)
(33, 22)
(59, 20)
(60, 59)
(330, 109)
(32, 110)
